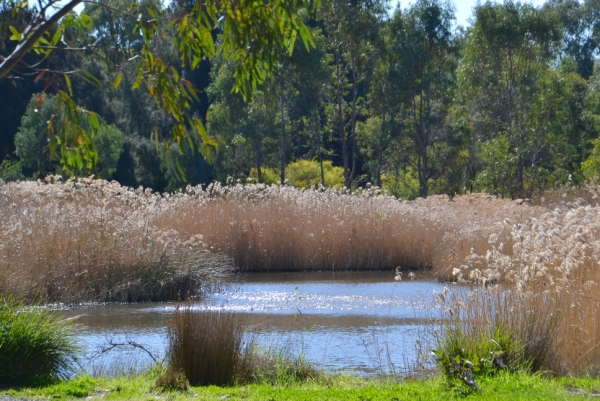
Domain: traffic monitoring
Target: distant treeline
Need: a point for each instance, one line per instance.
(403, 99)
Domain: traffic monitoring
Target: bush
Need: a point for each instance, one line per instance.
(464, 356)
(11, 171)
(591, 166)
(403, 184)
(304, 174)
(34, 344)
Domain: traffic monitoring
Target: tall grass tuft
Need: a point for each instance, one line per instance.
(485, 331)
(208, 348)
(205, 345)
(35, 344)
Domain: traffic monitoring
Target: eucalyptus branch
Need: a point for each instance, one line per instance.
(70, 49)
(47, 70)
(37, 31)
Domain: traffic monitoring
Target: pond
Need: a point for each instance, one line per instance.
(363, 322)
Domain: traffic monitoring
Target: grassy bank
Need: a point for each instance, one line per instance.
(494, 345)
(502, 387)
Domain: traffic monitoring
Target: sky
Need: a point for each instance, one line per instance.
(464, 8)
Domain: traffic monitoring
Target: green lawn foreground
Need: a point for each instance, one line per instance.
(505, 386)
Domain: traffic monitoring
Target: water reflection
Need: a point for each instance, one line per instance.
(342, 320)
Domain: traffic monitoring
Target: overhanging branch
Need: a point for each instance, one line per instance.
(24, 47)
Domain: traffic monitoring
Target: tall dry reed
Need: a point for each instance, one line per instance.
(95, 240)
(547, 266)
(284, 228)
(206, 346)
(92, 240)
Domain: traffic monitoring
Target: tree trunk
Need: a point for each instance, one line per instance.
(380, 153)
(420, 145)
(353, 121)
(235, 164)
(341, 132)
(282, 143)
(519, 190)
(319, 151)
(258, 160)
(423, 187)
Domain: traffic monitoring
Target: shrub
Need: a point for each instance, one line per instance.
(269, 176)
(304, 174)
(404, 185)
(464, 356)
(591, 166)
(11, 171)
(34, 344)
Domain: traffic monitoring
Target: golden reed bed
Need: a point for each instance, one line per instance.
(56, 234)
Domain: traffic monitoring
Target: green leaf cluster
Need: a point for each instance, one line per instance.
(37, 140)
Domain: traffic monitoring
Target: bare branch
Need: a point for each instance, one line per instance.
(111, 345)
(47, 70)
(70, 49)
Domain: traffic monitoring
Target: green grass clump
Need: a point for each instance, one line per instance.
(463, 357)
(35, 345)
(489, 331)
(275, 366)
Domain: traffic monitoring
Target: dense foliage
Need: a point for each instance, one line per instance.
(404, 99)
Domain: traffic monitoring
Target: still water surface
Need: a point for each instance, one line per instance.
(350, 321)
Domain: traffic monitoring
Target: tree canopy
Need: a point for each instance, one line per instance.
(250, 35)
(304, 93)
